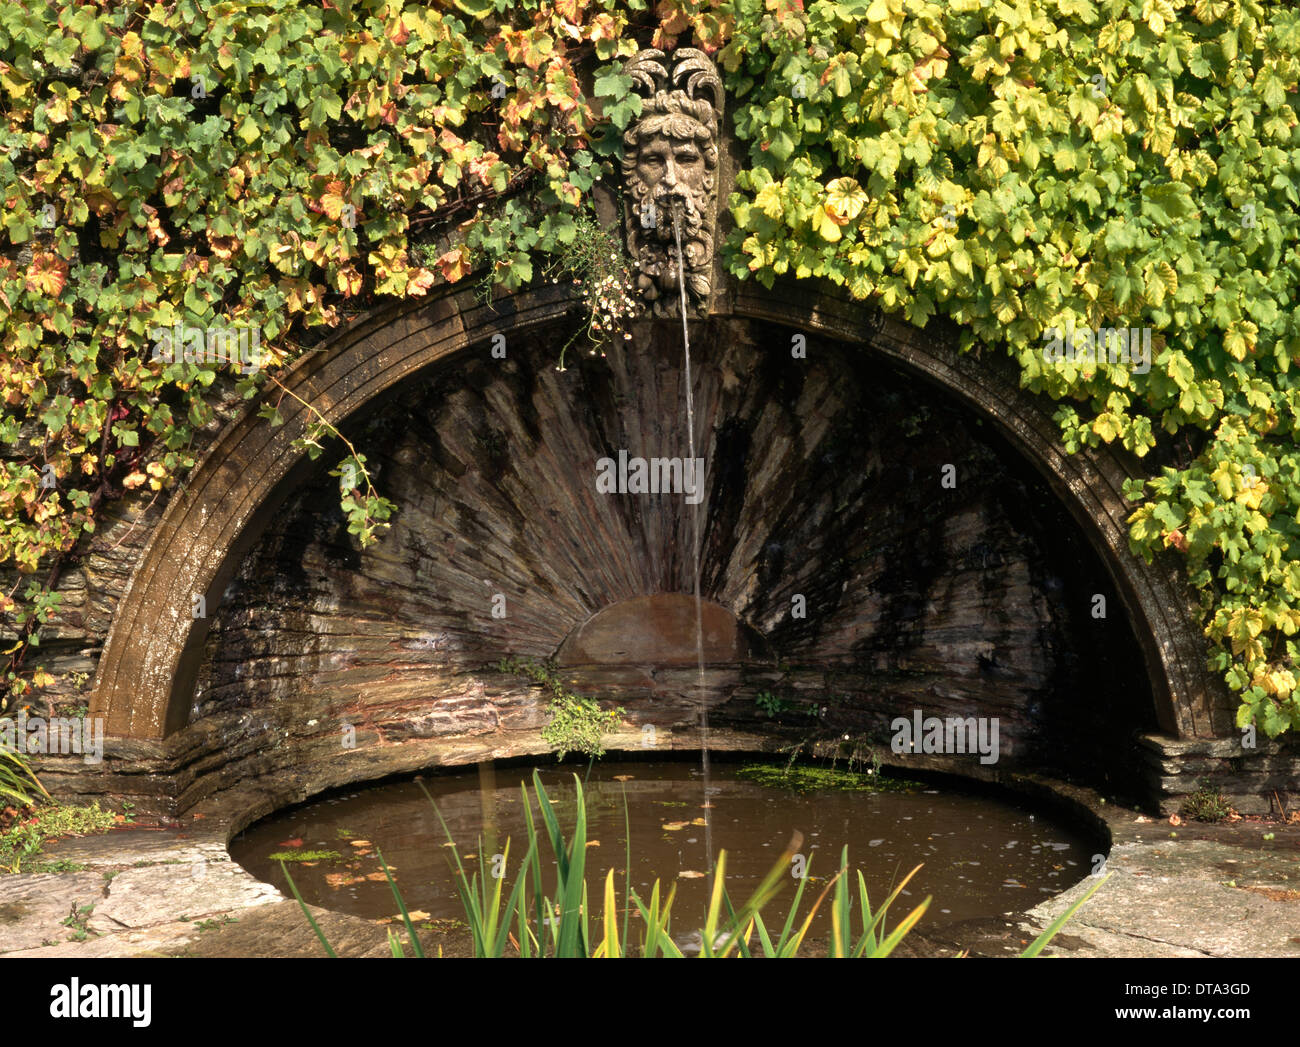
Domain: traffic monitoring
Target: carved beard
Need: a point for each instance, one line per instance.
(691, 203)
(657, 252)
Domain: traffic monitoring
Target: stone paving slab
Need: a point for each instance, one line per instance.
(280, 929)
(165, 939)
(32, 907)
(131, 846)
(140, 897)
(1173, 899)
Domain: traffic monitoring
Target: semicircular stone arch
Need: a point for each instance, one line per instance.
(145, 679)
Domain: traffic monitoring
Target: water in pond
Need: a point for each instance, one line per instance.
(982, 856)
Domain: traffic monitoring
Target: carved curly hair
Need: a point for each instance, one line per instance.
(675, 115)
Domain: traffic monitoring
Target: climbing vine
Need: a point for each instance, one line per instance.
(1019, 166)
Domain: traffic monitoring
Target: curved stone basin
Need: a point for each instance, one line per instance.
(980, 856)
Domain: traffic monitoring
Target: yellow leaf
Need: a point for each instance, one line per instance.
(845, 199)
(768, 200)
(349, 281)
(825, 225)
(332, 200)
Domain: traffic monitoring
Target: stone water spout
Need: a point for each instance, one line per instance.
(670, 173)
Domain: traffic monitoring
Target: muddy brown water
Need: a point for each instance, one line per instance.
(981, 856)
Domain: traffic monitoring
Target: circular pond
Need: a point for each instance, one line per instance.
(980, 856)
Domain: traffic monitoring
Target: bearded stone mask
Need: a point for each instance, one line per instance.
(670, 174)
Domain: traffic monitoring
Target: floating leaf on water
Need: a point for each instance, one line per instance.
(624, 777)
(467, 856)
(417, 915)
(295, 842)
(450, 843)
(360, 843)
(700, 821)
(690, 874)
(377, 877)
(672, 827)
(593, 843)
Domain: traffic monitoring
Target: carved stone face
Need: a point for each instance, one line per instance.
(670, 161)
(673, 171)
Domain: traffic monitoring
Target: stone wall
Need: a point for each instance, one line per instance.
(1262, 779)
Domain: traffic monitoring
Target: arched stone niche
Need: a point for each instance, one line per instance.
(145, 680)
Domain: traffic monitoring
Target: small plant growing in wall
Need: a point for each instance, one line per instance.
(769, 704)
(577, 723)
(1207, 804)
(773, 705)
(595, 261)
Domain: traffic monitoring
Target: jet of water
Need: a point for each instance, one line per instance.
(695, 543)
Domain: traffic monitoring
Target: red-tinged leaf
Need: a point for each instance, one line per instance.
(481, 167)
(570, 10)
(453, 264)
(295, 842)
(47, 275)
(420, 283)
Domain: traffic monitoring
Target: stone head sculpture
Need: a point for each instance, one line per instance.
(670, 174)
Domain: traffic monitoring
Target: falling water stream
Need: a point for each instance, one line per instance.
(695, 544)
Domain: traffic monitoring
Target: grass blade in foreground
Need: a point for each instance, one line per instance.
(1040, 943)
(401, 905)
(329, 949)
(15, 773)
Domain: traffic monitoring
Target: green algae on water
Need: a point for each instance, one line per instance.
(304, 856)
(804, 778)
